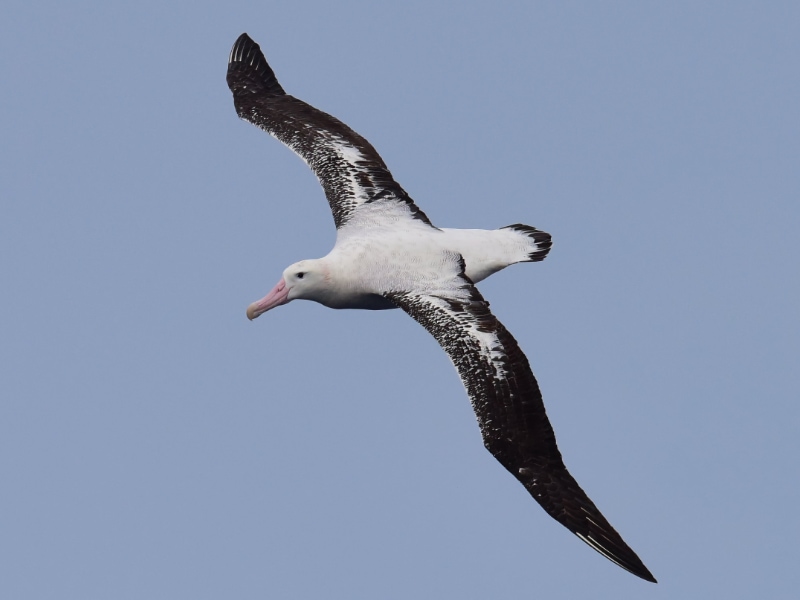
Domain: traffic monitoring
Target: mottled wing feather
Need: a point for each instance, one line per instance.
(349, 169)
(510, 411)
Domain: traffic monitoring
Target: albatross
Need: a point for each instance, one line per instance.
(388, 255)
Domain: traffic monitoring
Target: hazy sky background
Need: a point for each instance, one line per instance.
(155, 444)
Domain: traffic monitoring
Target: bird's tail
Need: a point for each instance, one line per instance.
(537, 242)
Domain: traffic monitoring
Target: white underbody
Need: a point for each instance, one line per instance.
(367, 262)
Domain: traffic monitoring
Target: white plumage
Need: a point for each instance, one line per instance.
(389, 255)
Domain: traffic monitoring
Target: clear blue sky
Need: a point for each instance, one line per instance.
(155, 444)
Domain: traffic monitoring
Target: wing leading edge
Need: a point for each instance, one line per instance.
(350, 170)
(511, 413)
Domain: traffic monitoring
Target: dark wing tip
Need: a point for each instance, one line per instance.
(248, 69)
(563, 499)
(647, 576)
(579, 514)
(621, 555)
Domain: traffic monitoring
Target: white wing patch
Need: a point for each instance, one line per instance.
(352, 156)
(350, 170)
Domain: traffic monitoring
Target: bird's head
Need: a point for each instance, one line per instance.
(306, 280)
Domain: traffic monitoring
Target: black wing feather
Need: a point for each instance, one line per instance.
(511, 414)
(350, 170)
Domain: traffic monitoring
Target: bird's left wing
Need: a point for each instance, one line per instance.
(510, 411)
(350, 170)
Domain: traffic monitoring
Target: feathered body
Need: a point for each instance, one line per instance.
(388, 254)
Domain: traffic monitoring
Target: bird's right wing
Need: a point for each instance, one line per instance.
(510, 411)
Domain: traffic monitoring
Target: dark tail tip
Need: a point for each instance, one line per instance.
(248, 69)
(542, 242)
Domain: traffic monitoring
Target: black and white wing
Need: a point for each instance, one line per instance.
(510, 411)
(350, 170)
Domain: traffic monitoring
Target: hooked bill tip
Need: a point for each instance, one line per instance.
(251, 311)
(279, 295)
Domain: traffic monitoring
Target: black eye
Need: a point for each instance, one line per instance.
(300, 275)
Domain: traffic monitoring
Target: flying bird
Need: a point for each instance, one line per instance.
(388, 254)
